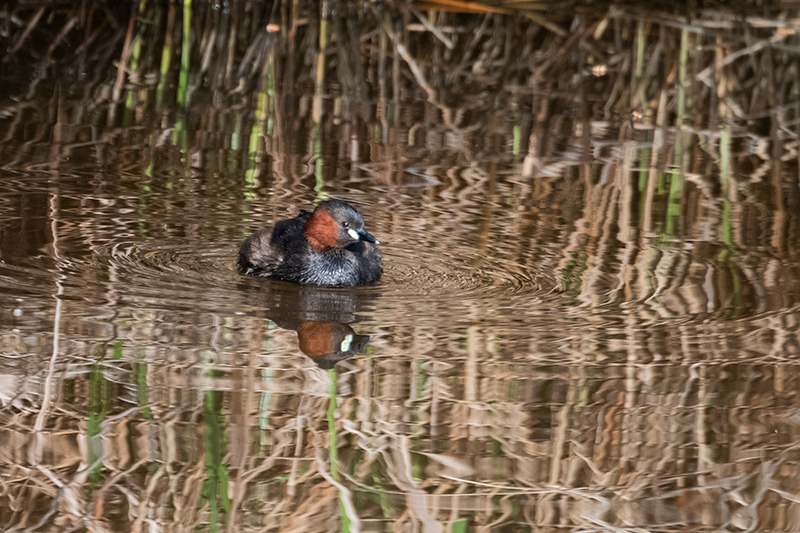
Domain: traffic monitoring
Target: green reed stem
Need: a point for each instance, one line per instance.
(100, 397)
(183, 79)
(133, 65)
(215, 486)
(333, 450)
(263, 101)
(166, 58)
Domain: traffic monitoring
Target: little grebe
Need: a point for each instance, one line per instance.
(327, 247)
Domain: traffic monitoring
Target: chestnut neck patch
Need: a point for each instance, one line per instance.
(321, 230)
(315, 338)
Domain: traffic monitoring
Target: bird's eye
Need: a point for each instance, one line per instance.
(345, 224)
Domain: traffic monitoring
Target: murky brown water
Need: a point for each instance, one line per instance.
(585, 324)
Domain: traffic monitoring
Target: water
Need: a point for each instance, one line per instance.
(585, 323)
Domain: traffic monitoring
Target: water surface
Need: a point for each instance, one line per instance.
(586, 323)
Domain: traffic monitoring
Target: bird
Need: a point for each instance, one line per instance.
(326, 247)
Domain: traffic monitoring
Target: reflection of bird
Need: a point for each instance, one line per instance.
(327, 247)
(319, 315)
(327, 343)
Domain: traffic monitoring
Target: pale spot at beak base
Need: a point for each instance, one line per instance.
(346, 342)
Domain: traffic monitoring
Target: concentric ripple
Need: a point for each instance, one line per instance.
(460, 267)
(429, 273)
(183, 273)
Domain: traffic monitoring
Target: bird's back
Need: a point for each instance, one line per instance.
(264, 252)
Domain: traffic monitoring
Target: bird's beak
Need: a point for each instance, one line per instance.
(365, 236)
